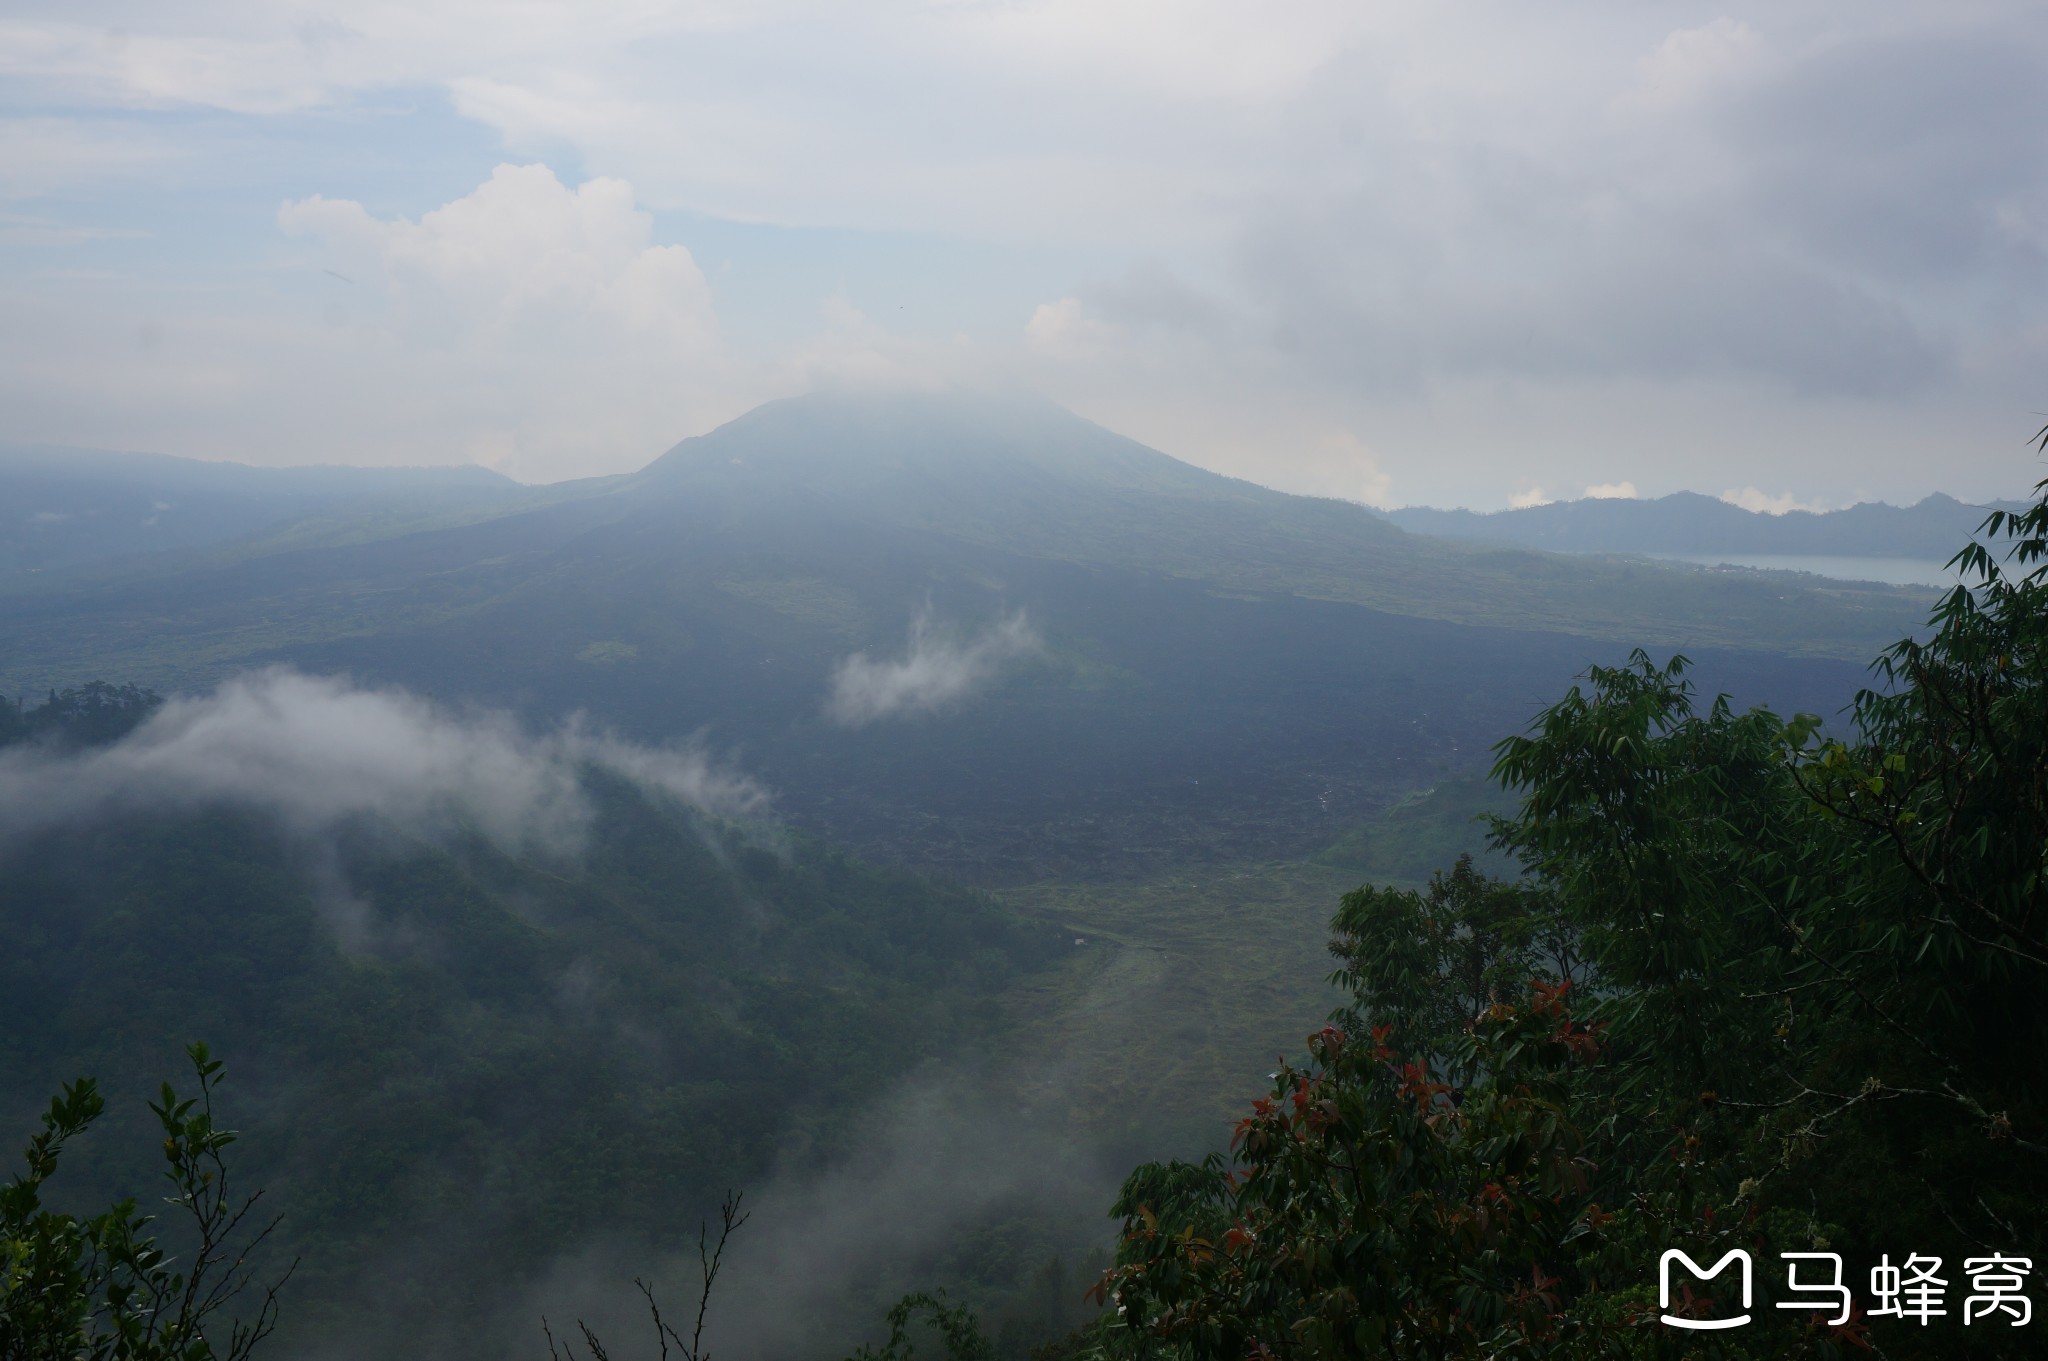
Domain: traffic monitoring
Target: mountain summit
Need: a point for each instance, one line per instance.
(834, 443)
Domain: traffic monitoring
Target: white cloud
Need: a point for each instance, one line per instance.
(935, 673)
(850, 350)
(1611, 491)
(256, 75)
(1690, 63)
(1752, 499)
(1064, 330)
(542, 322)
(1374, 485)
(525, 256)
(529, 325)
(317, 751)
(1344, 461)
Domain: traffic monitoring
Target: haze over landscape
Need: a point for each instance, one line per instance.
(855, 607)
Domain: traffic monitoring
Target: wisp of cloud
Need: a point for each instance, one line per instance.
(317, 751)
(935, 673)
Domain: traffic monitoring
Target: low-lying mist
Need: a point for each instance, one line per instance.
(937, 671)
(319, 750)
(945, 1182)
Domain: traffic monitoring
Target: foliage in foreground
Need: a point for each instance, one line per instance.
(88, 1289)
(1760, 988)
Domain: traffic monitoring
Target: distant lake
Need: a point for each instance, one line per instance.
(1890, 571)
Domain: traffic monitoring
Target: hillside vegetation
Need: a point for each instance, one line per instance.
(456, 1064)
(1762, 992)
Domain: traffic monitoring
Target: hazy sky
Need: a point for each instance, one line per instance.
(1402, 252)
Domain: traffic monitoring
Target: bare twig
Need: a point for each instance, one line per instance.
(710, 1256)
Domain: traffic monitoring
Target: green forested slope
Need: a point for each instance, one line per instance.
(454, 1065)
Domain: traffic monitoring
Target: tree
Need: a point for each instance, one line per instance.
(1818, 955)
(1763, 986)
(956, 1327)
(1425, 965)
(90, 715)
(1380, 1205)
(102, 1287)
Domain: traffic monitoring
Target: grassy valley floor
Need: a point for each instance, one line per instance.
(1174, 1000)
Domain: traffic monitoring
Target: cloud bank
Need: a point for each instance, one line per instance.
(1763, 503)
(937, 1157)
(1612, 491)
(937, 671)
(318, 751)
(526, 322)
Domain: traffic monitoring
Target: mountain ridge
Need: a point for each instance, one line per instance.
(1693, 523)
(76, 507)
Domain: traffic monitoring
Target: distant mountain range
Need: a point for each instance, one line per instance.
(1691, 524)
(60, 507)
